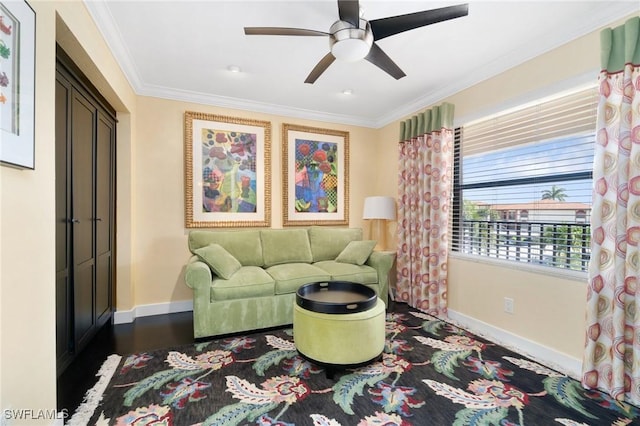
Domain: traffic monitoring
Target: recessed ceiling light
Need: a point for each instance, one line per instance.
(347, 92)
(233, 68)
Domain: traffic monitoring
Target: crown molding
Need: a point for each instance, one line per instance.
(100, 14)
(248, 105)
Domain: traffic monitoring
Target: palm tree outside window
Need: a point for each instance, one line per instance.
(555, 193)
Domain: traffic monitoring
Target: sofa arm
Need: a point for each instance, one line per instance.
(382, 261)
(198, 275)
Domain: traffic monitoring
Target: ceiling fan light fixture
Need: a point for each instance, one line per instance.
(349, 43)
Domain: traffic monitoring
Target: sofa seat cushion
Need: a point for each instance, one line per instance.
(290, 276)
(248, 281)
(362, 274)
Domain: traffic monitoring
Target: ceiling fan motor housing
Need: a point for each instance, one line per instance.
(350, 43)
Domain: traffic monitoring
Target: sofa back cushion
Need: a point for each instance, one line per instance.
(244, 245)
(285, 246)
(328, 243)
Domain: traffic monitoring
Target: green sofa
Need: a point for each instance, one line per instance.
(247, 279)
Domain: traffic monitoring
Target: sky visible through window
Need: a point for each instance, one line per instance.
(533, 161)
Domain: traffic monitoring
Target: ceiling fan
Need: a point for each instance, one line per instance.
(352, 38)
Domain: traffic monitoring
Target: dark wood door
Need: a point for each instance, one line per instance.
(85, 211)
(83, 122)
(104, 217)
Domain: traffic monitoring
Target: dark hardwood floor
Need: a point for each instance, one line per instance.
(144, 334)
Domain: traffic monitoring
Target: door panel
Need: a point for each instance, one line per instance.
(82, 136)
(84, 313)
(82, 128)
(64, 300)
(104, 180)
(105, 146)
(103, 288)
(62, 176)
(64, 343)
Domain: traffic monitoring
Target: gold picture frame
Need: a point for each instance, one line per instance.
(315, 176)
(227, 171)
(17, 84)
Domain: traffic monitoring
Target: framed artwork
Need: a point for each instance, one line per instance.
(315, 165)
(17, 84)
(227, 171)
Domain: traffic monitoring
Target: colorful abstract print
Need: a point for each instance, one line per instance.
(316, 176)
(228, 171)
(8, 65)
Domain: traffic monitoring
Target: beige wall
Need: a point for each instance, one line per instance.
(27, 211)
(548, 309)
(161, 237)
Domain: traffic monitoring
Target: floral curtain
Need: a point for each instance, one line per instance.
(612, 349)
(424, 192)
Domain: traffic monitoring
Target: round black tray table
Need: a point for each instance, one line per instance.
(336, 297)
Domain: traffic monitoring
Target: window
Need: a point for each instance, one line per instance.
(523, 187)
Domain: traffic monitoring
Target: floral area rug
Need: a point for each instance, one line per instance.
(431, 373)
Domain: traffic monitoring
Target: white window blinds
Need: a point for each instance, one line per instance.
(522, 183)
(564, 116)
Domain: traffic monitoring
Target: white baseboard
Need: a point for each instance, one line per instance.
(123, 317)
(551, 358)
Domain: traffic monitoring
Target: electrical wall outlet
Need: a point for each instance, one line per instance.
(508, 305)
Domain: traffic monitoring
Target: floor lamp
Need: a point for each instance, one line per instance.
(379, 209)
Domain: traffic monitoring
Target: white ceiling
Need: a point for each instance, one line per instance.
(182, 50)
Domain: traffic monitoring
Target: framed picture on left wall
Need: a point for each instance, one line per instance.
(17, 84)
(227, 171)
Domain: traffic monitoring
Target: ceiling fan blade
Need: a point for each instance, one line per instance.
(380, 59)
(349, 11)
(320, 68)
(386, 27)
(282, 31)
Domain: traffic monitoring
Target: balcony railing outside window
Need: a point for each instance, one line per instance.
(560, 245)
(522, 183)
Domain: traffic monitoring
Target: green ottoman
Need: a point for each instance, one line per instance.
(340, 339)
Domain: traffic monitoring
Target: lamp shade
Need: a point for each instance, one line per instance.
(379, 208)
